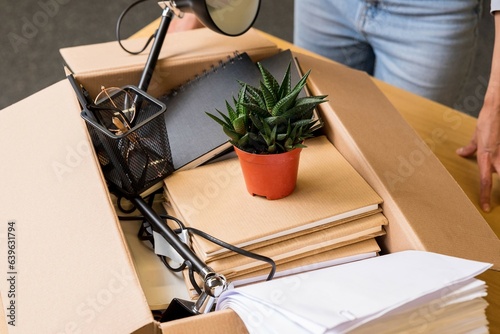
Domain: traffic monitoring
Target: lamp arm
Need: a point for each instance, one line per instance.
(184, 251)
(214, 284)
(161, 32)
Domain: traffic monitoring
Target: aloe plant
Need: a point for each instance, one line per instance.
(272, 118)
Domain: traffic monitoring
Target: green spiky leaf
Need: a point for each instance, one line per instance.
(231, 133)
(255, 96)
(269, 96)
(270, 118)
(223, 121)
(286, 83)
(239, 125)
(268, 80)
(256, 109)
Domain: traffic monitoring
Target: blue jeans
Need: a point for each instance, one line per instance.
(424, 46)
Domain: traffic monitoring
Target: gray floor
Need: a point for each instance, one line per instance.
(33, 32)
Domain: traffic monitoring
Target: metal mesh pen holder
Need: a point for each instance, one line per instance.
(138, 158)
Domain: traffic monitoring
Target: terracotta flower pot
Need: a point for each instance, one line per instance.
(270, 175)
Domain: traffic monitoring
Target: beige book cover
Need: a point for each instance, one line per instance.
(354, 252)
(174, 212)
(303, 246)
(213, 198)
(233, 274)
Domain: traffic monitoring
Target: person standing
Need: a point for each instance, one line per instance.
(423, 46)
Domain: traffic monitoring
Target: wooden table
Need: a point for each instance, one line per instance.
(428, 117)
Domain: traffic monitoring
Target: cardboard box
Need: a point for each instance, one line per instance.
(432, 212)
(72, 270)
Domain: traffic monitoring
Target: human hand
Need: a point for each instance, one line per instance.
(187, 22)
(486, 144)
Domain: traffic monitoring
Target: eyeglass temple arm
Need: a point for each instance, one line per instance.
(160, 34)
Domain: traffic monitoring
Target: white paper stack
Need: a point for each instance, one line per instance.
(410, 291)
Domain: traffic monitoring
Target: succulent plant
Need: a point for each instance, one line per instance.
(272, 118)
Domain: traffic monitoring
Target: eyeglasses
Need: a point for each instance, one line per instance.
(139, 153)
(133, 157)
(114, 107)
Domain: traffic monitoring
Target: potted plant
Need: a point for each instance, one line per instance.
(267, 127)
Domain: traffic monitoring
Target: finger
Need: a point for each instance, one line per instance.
(485, 173)
(467, 150)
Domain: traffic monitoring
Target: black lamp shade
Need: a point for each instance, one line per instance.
(228, 17)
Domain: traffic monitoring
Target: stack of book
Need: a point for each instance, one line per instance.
(333, 216)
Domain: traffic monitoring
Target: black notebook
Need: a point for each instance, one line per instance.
(194, 138)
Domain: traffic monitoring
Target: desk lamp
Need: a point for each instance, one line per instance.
(227, 17)
(131, 164)
(231, 18)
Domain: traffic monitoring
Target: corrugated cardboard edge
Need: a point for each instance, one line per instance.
(219, 322)
(191, 45)
(427, 208)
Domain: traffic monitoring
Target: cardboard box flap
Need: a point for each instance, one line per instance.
(185, 47)
(72, 271)
(430, 208)
(183, 56)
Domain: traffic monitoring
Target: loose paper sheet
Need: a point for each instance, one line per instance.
(347, 296)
